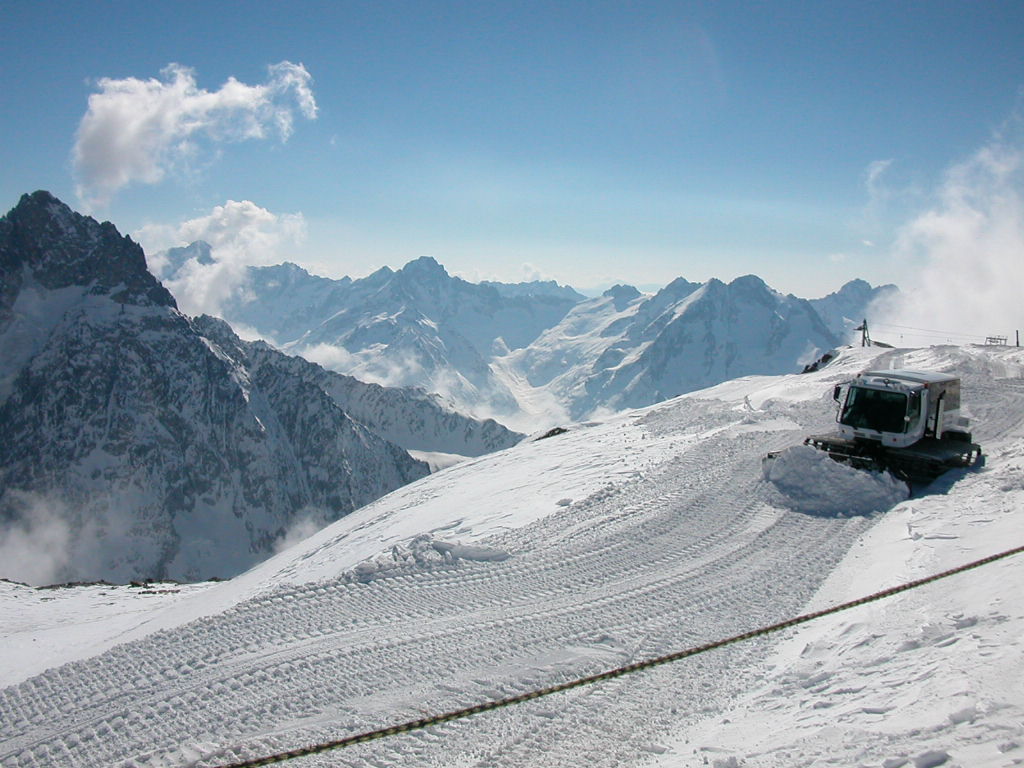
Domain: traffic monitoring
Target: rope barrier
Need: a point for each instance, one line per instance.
(638, 666)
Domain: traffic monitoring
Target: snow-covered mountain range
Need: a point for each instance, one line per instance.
(138, 442)
(616, 541)
(417, 326)
(847, 307)
(627, 350)
(533, 354)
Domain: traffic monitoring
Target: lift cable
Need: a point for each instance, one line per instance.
(638, 666)
(929, 331)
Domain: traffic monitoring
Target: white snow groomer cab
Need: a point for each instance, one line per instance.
(905, 422)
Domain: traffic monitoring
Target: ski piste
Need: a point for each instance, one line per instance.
(612, 542)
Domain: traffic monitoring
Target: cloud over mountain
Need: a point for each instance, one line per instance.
(166, 449)
(240, 234)
(136, 131)
(965, 249)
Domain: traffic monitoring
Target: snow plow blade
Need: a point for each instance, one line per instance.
(920, 463)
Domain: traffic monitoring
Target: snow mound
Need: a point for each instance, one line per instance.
(422, 552)
(805, 479)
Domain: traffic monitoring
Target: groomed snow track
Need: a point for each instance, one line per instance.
(689, 551)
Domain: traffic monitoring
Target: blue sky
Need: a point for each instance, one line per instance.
(589, 142)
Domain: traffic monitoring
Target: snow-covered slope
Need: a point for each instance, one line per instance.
(609, 543)
(932, 677)
(133, 445)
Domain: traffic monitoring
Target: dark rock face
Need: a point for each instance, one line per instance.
(61, 248)
(409, 417)
(159, 451)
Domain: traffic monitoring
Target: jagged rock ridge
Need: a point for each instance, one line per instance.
(152, 448)
(409, 417)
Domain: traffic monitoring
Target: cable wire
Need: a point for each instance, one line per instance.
(927, 332)
(611, 674)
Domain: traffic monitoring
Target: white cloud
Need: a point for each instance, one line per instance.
(137, 130)
(873, 175)
(241, 234)
(879, 193)
(306, 523)
(35, 546)
(46, 540)
(963, 256)
(332, 357)
(388, 368)
(894, 192)
(532, 273)
(239, 229)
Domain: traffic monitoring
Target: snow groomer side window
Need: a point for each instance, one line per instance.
(913, 411)
(951, 397)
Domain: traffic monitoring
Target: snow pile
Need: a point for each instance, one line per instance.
(422, 552)
(805, 479)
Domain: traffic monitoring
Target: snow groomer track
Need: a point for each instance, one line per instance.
(559, 558)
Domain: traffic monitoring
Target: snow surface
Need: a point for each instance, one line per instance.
(40, 627)
(560, 557)
(838, 489)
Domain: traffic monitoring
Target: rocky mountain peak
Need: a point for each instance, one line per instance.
(424, 267)
(845, 308)
(171, 261)
(164, 447)
(749, 284)
(856, 285)
(535, 288)
(425, 277)
(43, 238)
(621, 295)
(681, 287)
(620, 291)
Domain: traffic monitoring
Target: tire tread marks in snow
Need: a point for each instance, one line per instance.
(686, 554)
